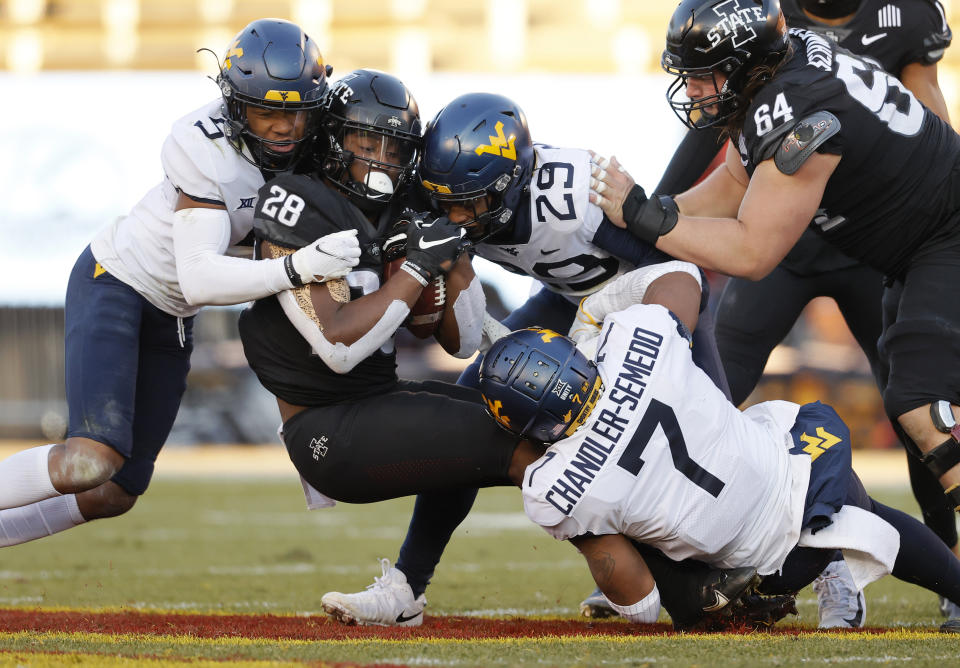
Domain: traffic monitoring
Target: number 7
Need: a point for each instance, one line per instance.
(658, 413)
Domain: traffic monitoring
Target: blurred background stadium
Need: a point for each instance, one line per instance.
(92, 86)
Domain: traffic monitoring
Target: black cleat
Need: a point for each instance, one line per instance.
(723, 586)
(952, 625)
(753, 612)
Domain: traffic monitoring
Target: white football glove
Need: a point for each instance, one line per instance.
(329, 257)
(493, 331)
(584, 325)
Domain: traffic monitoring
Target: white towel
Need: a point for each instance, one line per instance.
(314, 498)
(869, 543)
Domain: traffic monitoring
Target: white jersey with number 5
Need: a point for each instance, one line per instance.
(666, 459)
(559, 251)
(198, 161)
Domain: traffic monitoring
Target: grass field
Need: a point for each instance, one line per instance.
(233, 568)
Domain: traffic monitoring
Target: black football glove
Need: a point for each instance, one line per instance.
(433, 245)
(395, 243)
(649, 219)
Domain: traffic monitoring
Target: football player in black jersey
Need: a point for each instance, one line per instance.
(819, 134)
(907, 38)
(353, 429)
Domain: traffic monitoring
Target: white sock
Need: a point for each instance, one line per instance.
(44, 518)
(644, 611)
(25, 478)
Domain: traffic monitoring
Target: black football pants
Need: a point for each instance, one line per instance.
(754, 316)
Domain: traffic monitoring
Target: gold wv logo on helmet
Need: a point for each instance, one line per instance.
(283, 95)
(546, 335)
(494, 408)
(436, 187)
(499, 144)
(235, 50)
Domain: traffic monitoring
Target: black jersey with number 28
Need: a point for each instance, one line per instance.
(292, 211)
(894, 188)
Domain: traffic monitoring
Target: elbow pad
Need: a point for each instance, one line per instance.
(342, 358)
(469, 310)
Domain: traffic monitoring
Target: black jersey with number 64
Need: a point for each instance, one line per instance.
(897, 185)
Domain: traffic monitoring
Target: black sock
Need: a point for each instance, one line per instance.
(435, 517)
(923, 558)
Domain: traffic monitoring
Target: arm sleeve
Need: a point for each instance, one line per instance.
(340, 357)
(696, 151)
(470, 309)
(624, 245)
(206, 275)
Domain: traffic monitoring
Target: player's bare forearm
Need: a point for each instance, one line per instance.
(922, 81)
(775, 210)
(347, 322)
(344, 321)
(617, 567)
(458, 279)
(679, 292)
(720, 194)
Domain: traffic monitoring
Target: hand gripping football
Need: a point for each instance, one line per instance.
(428, 309)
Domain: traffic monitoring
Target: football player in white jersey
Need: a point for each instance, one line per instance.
(633, 443)
(526, 207)
(134, 291)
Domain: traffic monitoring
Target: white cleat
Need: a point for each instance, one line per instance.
(948, 608)
(841, 605)
(388, 601)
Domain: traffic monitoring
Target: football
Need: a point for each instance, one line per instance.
(426, 312)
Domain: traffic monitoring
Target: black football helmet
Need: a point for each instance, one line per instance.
(830, 9)
(272, 64)
(726, 36)
(372, 120)
(478, 147)
(536, 384)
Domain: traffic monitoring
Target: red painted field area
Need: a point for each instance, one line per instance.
(303, 628)
(281, 627)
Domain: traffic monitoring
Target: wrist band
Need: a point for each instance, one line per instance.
(419, 273)
(292, 274)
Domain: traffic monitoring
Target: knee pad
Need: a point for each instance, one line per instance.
(943, 458)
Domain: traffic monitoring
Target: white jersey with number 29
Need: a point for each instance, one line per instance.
(667, 460)
(560, 252)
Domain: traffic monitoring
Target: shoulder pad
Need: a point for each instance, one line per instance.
(803, 139)
(294, 210)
